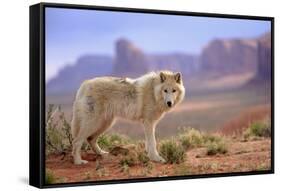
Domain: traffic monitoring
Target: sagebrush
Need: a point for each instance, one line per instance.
(191, 138)
(172, 151)
(216, 148)
(259, 129)
(58, 131)
(109, 141)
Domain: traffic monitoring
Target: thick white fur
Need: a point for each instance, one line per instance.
(99, 101)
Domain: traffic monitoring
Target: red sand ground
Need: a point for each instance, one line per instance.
(241, 156)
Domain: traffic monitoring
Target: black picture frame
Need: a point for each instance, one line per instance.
(37, 93)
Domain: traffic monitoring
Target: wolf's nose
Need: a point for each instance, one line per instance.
(169, 103)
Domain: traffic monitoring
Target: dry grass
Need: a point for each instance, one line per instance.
(58, 136)
(109, 141)
(128, 161)
(214, 148)
(143, 158)
(260, 128)
(172, 151)
(191, 138)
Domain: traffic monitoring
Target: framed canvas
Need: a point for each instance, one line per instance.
(122, 95)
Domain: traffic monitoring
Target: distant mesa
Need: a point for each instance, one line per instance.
(129, 60)
(185, 63)
(70, 77)
(229, 56)
(264, 57)
(238, 56)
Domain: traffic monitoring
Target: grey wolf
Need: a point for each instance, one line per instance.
(101, 100)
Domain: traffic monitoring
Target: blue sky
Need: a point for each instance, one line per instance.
(71, 33)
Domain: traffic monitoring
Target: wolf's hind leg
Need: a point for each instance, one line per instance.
(78, 139)
(85, 130)
(103, 125)
(76, 151)
(75, 126)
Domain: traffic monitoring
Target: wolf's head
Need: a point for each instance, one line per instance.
(170, 90)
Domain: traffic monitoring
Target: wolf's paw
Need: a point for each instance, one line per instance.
(79, 162)
(157, 158)
(160, 159)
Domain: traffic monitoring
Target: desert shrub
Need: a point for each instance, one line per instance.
(128, 161)
(103, 142)
(125, 168)
(118, 139)
(210, 138)
(135, 155)
(191, 138)
(49, 177)
(172, 152)
(259, 129)
(217, 147)
(54, 140)
(109, 141)
(143, 158)
(58, 133)
(66, 129)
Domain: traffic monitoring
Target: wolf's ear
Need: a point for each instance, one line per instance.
(162, 77)
(178, 77)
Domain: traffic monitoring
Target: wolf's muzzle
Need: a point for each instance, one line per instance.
(169, 103)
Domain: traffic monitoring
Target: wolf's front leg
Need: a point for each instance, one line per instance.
(150, 144)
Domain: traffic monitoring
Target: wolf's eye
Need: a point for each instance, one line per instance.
(166, 91)
(174, 90)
